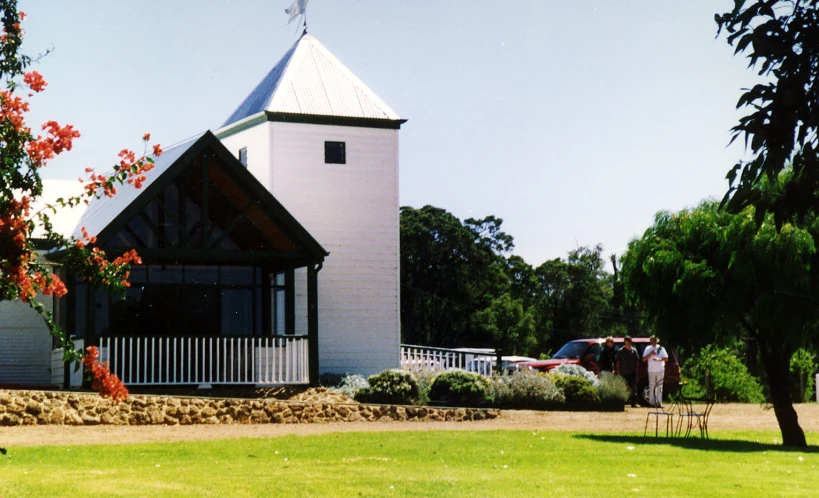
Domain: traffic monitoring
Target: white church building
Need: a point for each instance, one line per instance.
(270, 247)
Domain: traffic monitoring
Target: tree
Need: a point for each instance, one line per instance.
(23, 274)
(781, 38)
(705, 274)
(511, 328)
(575, 295)
(449, 270)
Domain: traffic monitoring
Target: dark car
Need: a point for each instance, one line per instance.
(586, 353)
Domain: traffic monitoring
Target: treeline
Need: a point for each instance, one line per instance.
(462, 287)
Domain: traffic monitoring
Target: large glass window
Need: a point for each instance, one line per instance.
(193, 300)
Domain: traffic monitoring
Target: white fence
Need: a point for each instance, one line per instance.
(151, 361)
(439, 359)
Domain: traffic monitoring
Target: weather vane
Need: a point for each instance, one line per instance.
(298, 9)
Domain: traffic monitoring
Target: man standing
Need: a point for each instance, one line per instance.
(626, 367)
(656, 356)
(607, 357)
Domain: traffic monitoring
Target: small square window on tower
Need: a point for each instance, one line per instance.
(335, 153)
(243, 156)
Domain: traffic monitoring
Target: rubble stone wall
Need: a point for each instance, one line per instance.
(69, 408)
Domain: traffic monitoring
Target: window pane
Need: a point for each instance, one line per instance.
(202, 275)
(139, 274)
(279, 280)
(335, 153)
(201, 305)
(128, 314)
(237, 275)
(278, 307)
(79, 310)
(237, 312)
(168, 274)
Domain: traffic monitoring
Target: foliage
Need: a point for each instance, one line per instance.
(575, 296)
(576, 389)
(730, 379)
(24, 275)
(460, 388)
(456, 276)
(511, 329)
(803, 368)
(613, 388)
(577, 371)
(102, 380)
(449, 270)
(390, 387)
(525, 389)
(350, 384)
(706, 275)
(781, 39)
(424, 377)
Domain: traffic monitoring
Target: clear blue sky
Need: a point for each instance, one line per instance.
(573, 121)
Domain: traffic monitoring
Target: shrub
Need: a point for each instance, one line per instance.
(424, 377)
(730, 379)
(575, 388)
(576, 371)
(613, 388)
(525, 389)
(350, 384)
(460, 388)
(390, 387)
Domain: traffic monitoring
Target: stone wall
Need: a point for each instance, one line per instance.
(67, 408)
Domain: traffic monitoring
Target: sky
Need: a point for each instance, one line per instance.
(575, 122)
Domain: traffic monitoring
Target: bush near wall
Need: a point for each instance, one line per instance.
(390, 387)
(460, 388)
(525, 389)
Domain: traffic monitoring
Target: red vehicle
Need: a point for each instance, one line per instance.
(586, 353)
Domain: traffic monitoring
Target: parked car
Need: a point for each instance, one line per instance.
(586, 353)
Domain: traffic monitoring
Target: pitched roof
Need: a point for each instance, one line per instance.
(101, 212)
(104, 215)
(310, 80)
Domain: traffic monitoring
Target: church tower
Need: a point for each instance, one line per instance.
(327, 148)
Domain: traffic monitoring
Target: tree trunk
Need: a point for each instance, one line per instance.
(776, 366)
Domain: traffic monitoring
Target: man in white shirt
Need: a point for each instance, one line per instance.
(656, 356)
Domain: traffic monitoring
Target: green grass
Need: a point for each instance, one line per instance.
(498, 463)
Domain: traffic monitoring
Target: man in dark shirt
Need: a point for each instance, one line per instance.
(607, 357)
(626, 367)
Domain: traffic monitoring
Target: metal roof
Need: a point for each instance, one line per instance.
(311, 80)
(102, 211)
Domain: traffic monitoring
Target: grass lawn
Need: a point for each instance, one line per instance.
(499, 463)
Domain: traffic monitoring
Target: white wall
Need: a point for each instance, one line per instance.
(352, 210)
(25, 344)
(257, 142)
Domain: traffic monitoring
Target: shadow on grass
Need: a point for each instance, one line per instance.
(725, 445)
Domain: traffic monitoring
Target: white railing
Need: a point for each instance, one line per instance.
(440, 359)
(149, 361)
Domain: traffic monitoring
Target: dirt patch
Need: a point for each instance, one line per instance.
(724, 417)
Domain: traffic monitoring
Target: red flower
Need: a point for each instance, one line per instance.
(146, 137)
(108, 384)
(35, 81)
(157, 150)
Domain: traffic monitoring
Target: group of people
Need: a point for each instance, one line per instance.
(625, 362)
